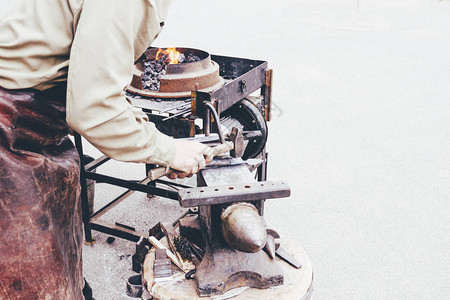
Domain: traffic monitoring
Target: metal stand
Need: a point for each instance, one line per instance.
(93, 222)
(242, 78)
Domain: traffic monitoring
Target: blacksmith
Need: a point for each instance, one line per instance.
(63, 66)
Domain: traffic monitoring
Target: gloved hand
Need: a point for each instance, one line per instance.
(190, 157)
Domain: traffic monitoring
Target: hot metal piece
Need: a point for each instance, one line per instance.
(243, 228)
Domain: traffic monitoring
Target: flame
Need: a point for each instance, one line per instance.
(170, 54)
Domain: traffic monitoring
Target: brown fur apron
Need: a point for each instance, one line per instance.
(40, 211)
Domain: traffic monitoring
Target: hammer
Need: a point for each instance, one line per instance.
(235, 146)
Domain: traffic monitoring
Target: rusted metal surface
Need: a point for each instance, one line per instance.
(252, 72)
(267, 91)
(191, 230)
(250, 191)
(181, 78)
(192, 80)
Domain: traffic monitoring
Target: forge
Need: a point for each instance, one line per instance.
(179, 77)
(216, 100)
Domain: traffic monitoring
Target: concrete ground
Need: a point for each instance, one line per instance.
(361, 132)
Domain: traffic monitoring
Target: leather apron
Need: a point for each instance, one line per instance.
(40, 210)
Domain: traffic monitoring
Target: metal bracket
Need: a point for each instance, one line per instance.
(268, 94)
(243, 86)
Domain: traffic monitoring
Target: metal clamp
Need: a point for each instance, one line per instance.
(243, 86)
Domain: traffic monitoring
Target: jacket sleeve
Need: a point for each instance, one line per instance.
(110, 35)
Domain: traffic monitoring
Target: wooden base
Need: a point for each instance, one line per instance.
(297, 282)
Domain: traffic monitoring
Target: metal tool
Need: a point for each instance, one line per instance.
(154, 174)
(270, 246)
(235, 145)
(162, 268)
(225, 162)
(170, 233)
(238, 149)
(172, 257)
(138, 258)
(281, 252)
(134, 286)
(288, 258)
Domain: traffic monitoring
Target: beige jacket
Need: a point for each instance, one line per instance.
(91, 44)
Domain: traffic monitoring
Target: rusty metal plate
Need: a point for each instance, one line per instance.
(210, 195)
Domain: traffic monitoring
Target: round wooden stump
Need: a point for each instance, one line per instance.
(297, 282)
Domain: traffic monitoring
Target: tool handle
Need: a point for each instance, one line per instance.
(156, 173)
(158, 245)
(222, 148)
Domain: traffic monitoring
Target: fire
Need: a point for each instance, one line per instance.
(170, 54)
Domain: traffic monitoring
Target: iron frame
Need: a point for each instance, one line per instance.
(242, 78)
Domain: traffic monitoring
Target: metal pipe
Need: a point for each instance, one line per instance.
(207, 123)
(216, 121)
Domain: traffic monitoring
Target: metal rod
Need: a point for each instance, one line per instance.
(118, 231)
(172, 184)
(175, 107)
(207, 123)
(177, 114)
(115, 202)
(133, 185)
(214, 137)
(98, 162)
(84, 196)
(216, 121)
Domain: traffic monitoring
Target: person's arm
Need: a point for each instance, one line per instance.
(110, 35)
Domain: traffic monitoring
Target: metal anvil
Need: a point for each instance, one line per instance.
(222, 267)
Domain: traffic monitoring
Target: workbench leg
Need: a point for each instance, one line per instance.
(262, 169)
(88, 240)
(262, 176)
(148, 167)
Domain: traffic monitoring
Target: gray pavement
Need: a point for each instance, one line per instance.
(361, 133)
